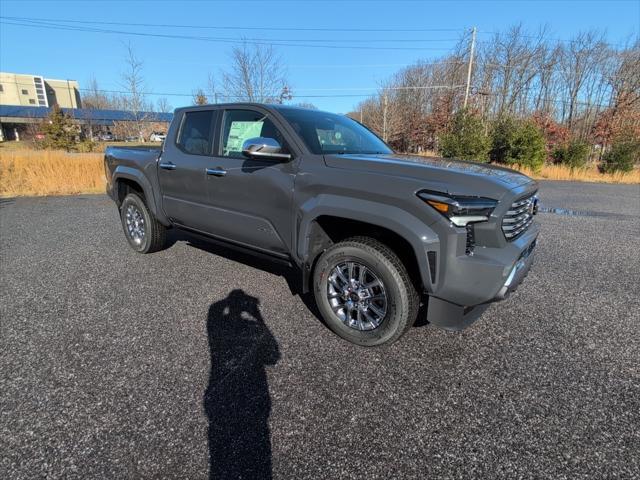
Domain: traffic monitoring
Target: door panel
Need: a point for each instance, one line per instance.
(182, 175)
(253, 198)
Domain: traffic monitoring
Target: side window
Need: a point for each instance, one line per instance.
(240, 125)
(195, 132)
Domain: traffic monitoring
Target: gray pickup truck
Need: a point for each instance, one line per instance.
(373, 234)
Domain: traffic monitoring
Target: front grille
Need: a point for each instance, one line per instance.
(519, 217)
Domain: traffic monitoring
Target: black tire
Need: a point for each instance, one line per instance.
(402, 298)
(154, 232)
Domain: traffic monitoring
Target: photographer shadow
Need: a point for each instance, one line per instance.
(237, 401)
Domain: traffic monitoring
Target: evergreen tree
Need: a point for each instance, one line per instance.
(58, 130)
(518, 142)
(466, 139)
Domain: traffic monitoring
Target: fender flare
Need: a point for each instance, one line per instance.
(129, 173)
(414, 230)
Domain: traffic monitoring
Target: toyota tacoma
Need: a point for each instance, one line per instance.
(374, 234)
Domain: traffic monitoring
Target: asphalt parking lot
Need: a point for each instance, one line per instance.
(192, 362)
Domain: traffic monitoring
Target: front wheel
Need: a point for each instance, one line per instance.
(364, 292)
(143, 231)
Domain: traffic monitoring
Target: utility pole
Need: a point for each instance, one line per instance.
(471, 52)
(384, 118)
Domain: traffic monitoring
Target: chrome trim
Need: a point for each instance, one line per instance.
(167, 165)
(264, 147)
(519, 217)
(464, 220)
(516, 275)
(217, 172)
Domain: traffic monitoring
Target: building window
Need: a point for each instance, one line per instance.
(1, 88)
(25, 92)
(32, 101)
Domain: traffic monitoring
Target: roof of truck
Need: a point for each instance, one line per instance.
(272, 106)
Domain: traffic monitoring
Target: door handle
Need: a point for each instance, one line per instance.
(168, 165)
(216, 172)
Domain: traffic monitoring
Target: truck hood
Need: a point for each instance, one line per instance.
(456, 177)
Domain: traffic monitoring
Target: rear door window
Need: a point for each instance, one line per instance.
(196, 134)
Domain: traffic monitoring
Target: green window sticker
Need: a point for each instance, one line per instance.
(239, 132)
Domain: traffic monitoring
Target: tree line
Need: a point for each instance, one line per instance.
(580, 95)
(564, 101)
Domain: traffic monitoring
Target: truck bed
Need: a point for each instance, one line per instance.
(132, 154)
(137, 161)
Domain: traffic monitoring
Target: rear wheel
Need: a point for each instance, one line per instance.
(364, 292)
(143, 231)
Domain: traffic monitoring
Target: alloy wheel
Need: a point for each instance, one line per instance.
(357, 296)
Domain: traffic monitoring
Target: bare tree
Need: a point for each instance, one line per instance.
(583, 88)
(199, 97)
(256, 75)
(95, 98)
(133, 83)
(580, 60)
(212, 88)
(163, 105)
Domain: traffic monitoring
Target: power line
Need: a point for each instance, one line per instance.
(348, 95)
(543, 38)
(557, 101)
(325, 40)
(55, 26)
(269, 29)
(418, 87)
(303, 66)
(338, 89)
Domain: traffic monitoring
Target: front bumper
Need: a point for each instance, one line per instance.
(454, 316)
(518, 272)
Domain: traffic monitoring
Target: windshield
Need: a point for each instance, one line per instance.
(328, 133)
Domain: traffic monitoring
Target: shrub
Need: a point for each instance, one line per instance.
(624, 152)
(574, 154)
(86, 146)
(466, 139)
(555, 134)
(58, 131)
(518, 142)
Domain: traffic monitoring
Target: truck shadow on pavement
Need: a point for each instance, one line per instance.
(289, 274)
(237, 401)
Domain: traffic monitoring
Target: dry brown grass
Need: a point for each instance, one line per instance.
(587, 174)
(46, 172)
(562, 172)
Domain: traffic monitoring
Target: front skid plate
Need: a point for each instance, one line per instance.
(450, 316)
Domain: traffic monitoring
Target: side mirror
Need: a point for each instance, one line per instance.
(264, 148)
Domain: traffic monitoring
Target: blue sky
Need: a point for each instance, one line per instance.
(317, 75)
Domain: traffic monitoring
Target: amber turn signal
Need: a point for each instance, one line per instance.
(440, 206)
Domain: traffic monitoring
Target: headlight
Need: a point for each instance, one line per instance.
(461, 211)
